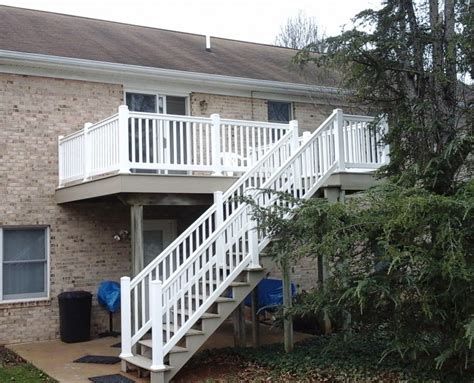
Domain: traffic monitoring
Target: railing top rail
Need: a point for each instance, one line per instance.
(70, 136)
(265, 124)
(81, 131)
(99, 124)
(173, 117)
(358, 117)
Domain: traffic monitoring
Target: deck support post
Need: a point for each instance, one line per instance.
(287, 304)
(136, 214)
(240, 333)
(255, 321)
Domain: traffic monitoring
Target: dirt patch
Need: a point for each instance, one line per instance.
(9, 358)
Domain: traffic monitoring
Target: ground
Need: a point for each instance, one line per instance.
(14, 369)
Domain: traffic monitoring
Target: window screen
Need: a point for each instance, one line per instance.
(279, 111)
(138, 102)
(24, 263)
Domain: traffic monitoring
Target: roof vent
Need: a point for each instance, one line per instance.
(208, 43)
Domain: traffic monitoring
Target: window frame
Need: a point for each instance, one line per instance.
(290, 109)
(27, 297)
(157, 95)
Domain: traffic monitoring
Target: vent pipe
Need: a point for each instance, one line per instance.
(208, 43)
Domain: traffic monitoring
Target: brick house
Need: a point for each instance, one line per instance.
(92, 192)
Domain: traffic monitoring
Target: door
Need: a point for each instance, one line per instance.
(157, 235)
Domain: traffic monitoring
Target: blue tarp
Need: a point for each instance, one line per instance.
(109, 295)
(270, 293)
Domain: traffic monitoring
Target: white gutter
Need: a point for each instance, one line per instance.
(101, 67)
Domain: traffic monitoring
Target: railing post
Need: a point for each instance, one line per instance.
(124, 163)
(87, 151)
(156, 315)
(219, 202)
(294, 147)
(126, 317)
(386, 149)
(216, 144)
(253, 242)
(339, 140)
(60, 162)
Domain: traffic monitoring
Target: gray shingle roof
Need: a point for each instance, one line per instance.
(55, 34)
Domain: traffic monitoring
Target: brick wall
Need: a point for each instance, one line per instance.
(34, 111)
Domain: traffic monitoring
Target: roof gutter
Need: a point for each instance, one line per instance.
(57, 62)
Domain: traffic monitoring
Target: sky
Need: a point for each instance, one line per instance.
(248, 20)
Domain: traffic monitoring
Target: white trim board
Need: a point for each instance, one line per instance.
(132, 76)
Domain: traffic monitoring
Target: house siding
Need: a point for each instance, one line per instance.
(34, 111)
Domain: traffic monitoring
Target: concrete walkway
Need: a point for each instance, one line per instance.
(56, 358)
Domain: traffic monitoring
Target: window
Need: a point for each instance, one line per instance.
(24, 263)
(279, 111)
(155, 103)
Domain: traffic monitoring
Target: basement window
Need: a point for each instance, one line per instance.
(24, 263)
(279, 111)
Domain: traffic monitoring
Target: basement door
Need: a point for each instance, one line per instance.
(157, 235)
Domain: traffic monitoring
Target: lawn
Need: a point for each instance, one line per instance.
(15, 369)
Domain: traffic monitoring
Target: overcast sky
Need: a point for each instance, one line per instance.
(249, 20)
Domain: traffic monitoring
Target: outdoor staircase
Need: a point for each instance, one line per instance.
(177, 302)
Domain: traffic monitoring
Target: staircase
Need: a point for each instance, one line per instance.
(179, 300)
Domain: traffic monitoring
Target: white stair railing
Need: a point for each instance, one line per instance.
(195, 286)
(135, 315)
(233, 244)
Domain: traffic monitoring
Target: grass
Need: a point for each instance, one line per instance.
(14, 369)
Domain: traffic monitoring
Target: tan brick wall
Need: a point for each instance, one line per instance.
(34, 111)
(309, 114)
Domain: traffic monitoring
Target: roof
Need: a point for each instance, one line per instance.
(32, 31)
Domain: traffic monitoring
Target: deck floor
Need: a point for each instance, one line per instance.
(56, 358)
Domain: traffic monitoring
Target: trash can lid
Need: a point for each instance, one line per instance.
(74, 294)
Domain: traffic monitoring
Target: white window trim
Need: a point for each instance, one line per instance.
(158, 94)
(281, 101)
(47, 276)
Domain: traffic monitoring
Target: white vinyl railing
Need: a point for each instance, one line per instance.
(180, 285)
(177, 253)
(164, 144)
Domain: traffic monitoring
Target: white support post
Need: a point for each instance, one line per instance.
(156, 315)
(125, 317)
(339, 140)
(216, 144)
(253, 242)
(60, 162)
(386, 149)
(87, 151)
(294, 147)
(124, 162)
(219, 201)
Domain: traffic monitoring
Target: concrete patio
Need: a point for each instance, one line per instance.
(56, 358)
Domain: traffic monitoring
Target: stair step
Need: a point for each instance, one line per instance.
(218, 300)
(203, 316)
(142, 362)
(239, 284)
(174, 350)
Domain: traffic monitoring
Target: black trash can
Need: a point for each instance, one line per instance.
(75, 316)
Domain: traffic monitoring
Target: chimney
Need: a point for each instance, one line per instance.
(208, 43)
